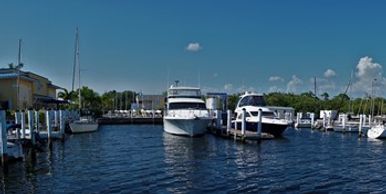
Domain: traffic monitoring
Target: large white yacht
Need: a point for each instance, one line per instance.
(186, 113)
(252, 102)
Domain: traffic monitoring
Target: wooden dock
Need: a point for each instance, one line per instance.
(128, 120)
(237, 134)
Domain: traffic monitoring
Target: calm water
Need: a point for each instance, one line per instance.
(135, 158)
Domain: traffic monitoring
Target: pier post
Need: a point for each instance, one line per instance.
(22, 120)
(344, 117)
(243, 122)
(48, 121)
(56, 118)
(31, 126)
(18, 121)
(218, 119)
(360, 124)
(61, 123)
(3, 139)
(229, 117)
(312, 115)
(37, 121)
(259, 124)
(297, 118)
(324, 121)
(370, 123)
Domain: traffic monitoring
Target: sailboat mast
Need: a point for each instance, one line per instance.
(18, 76)
(77, 64)
(75, 59)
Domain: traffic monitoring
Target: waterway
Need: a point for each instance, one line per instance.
(142, 158)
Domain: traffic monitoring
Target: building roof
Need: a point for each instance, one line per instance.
(7, 73)
(14, 75)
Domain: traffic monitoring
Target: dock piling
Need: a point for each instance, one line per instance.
(61, 123)
(229, 117)
(360, 124)
(3, 139)
(56, 119)
(31, 126)
(243, 122)
(18, 121)
(22, 120)
(259, 124)
(37, 120)
(312, 115)
(48, 122)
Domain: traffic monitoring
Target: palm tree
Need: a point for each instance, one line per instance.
(67, 96)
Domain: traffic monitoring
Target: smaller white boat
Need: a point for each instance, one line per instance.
(377, 132)
(83, 125)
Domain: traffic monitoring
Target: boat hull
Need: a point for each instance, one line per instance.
(377, 132)
(273, 129)
(186, 127)
(83, 127)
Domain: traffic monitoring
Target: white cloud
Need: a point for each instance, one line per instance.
(367, 73)
(294, 83)
(193, 47)
(329, 73)
(275, 78)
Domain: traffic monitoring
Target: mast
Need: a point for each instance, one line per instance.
(315, 86)
(18, 66)
(77, 63)
(75, 58)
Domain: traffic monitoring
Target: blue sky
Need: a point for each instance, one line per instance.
(255, 45)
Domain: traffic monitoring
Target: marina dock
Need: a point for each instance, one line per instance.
(130, 120)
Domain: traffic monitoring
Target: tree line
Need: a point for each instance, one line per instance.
(309, 102)
(304, 102)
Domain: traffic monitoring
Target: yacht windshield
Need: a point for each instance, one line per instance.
(187, 105)
(252, 101)
(265, 114)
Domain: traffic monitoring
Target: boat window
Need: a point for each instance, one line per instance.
(265, 114)
(252, 101)
(184, 92)
(186, 105)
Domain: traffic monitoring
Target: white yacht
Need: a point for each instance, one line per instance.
(186, 113)
(252, 102)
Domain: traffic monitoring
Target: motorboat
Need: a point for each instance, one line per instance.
(377, 132)
(185, 113)
(252, 102)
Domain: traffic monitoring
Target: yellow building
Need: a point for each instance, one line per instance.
(21, 90)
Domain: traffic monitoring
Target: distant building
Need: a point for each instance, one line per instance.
(20, 90)
(149, 102)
